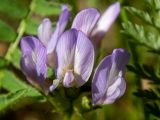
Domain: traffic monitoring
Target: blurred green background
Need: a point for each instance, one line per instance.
(23, 17)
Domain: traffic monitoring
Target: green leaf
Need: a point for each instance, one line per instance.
(3, 62)
(11, 83)
(154, 3)
(7, 34)
(137, 32)
(15, 8)
(10, 99)
(46, 8)
(147, 94)
(140, 13)
(32, 26)
(16, 56)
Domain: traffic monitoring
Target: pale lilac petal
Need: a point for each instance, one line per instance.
(61, 24)
(115, 91)
(68, 80)
(99, 82)
(85, 20)
(64, 7)
(65, 51)
(75, 53)
(84, 59)
(45, 31)
(108, 83)
(33, 60)
(105, 21)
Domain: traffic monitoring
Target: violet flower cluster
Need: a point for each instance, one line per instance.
(71, 54)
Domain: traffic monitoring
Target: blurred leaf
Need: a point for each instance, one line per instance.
(3, 62)
(154, 3)
(140, 13)
(16, 56)
(14, 8)
(142, 37)
(153, 109)
(7, 34)
(156, 19)
(11, 98)
(11, 83)
(32, 26)
(145, 71)
(147, 94)
(46, 8)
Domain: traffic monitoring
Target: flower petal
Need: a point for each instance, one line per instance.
(61, 24)
(68, 80)
(84, 59)
(99, 82)
(33, 60)
(45, 31)
(105, 21)
(115, 91)
(105, 85)
(54, 85)
(85, 20)
(65, 51)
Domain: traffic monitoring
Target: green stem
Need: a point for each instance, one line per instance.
(59, 101)
(21, 30)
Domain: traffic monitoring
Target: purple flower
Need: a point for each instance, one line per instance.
(33, 61)
(36, 53)
(95, 25)
(108, 82)
(75, 59)
(49, 38)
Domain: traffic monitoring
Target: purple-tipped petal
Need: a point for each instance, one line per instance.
(61, 24)
(65, 51)
(108, 83)
(105, 21)
(85, 20)
(68, 80)
(33, 60)
(84, 59)
(45, 31)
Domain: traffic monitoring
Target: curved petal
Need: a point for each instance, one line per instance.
(99, 82)
(33, 60)
(85, 20)
(61, 24)
(45, 31)
(84, 59)
(105, 21)
(105, 85)
(68, 80)
(115, 91)
(65, 51)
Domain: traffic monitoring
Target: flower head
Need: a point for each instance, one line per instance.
(75, 58)
(36, 52)
(108, 82)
